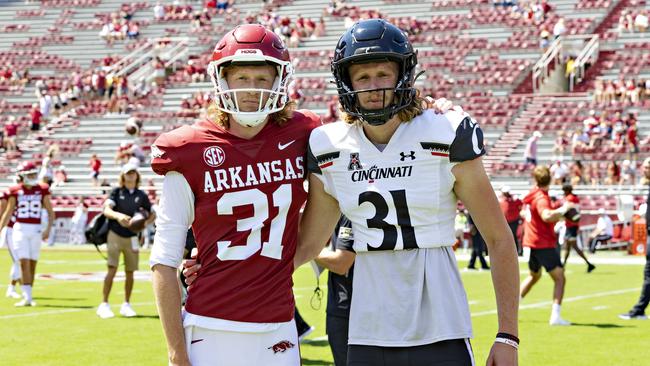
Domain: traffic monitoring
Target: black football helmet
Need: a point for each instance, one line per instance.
(374, 40)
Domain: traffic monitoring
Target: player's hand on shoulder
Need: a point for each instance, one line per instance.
(191, 268)
(441, 105)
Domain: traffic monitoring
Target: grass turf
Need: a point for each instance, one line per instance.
(64, 330)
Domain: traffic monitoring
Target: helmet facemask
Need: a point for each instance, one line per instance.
(226, 98)
(404, 91)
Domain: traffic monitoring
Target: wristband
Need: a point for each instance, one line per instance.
(508, 336)
(507, 341)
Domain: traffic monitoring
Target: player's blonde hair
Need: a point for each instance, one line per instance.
(417, 106)
(542, 175)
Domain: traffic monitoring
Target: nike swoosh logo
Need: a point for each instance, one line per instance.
(282, 147)
(196, 340)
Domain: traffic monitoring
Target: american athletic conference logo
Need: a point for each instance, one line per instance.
(214, 156)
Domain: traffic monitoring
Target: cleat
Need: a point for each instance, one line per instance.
(104, 311)
(559, 321)
(127, 311)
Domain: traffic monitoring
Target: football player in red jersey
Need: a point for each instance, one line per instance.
(237, 178)
(28, 198)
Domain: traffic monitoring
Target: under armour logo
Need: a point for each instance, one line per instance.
(404, 156)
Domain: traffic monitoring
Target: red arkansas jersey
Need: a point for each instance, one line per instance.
(247, 199)
(3, 196)
(575, 200)
(29, 202)
(538, 234)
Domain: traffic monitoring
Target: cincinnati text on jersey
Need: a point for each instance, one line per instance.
(252, 175)
(375, 173)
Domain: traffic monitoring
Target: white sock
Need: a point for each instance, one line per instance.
(555, 310)
(27, 292)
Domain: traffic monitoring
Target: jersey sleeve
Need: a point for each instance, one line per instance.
(45, 189)
(344, 236)
(165, 151)
(541, 204)
(174, 216)
(468, 142)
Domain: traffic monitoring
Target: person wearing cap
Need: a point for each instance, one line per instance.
(511, 208)
(124, 203)
(603, 232)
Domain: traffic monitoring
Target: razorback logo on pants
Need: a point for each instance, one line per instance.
(281, 346)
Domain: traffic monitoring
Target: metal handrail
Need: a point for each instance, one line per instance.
(541, 68)
(588, 54)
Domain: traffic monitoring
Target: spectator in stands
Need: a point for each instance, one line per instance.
(559, 145)
(641, 21)
(46, 172)
(95, 167)
(613, 174)
(319, 30)
(36, 117)
(559, 29)
(603, 232)
(559, 172)
(631, 134)
(133, 30)
(124, 203)
(11, 130)
(45, 103)
(339, 260)
(511, 208)
(577, 173)
(579, 140)
(159, 11)
(628, 173)
(60, 176)
(530, 154)
(598, 91)
(572, 230)
(625, 22)
(638, 310)
(544, 39)
(539, 235)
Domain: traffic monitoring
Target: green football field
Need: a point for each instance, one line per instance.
(64, 330)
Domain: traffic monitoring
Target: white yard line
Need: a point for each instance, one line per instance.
(63, 311)
(543, 304)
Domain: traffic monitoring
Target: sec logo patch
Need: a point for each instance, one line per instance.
(214, 156)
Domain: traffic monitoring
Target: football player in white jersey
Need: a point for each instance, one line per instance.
(396, 171)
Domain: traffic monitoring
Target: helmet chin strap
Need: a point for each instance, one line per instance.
(249, 119)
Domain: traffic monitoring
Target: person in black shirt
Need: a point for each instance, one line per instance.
(124, 203)
(478, 246)
(339, 260)
(638, 311)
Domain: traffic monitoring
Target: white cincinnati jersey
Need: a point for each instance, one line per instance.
(401, 197)
(407, 289)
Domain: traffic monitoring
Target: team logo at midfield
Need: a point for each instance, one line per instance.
(281, 346)
(436, 149)
(355, 163)
(214, 156)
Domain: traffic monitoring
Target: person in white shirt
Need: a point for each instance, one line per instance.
(560, 28)
(603, 232)
(641, 22)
